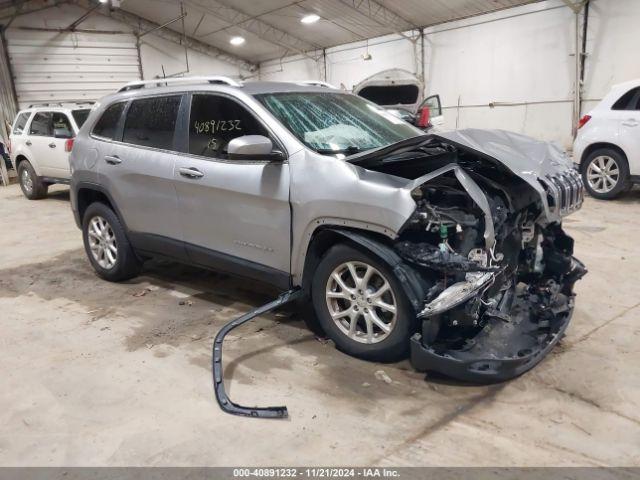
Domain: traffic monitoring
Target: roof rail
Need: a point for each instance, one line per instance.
(317, 83)
(61, 104)
(34, 105)
(170, 81)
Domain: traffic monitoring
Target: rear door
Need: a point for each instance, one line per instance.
(58, 157)
(135, 164)
(235, 214)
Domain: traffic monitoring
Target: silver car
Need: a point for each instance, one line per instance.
(447, 247)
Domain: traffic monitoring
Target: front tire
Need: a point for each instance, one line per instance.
(107, 246)
(361, 305)
(605, 174)
(32, 187)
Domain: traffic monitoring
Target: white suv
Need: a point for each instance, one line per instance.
(608, 143)
(40, 142)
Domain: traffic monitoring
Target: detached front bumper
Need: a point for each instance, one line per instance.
(494, 357)
(508, 345)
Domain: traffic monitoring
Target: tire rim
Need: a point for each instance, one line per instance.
(27, 182)
(102, 242)
(603, 174)
(361, 302)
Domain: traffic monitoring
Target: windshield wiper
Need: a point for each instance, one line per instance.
(350, 150)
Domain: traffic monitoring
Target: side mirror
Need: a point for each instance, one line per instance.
(423, 118)
(61, 133)
(253, 147)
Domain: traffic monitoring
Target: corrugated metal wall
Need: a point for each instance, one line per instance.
(7, 99)
(65, 67)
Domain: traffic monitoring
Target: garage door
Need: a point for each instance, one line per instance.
(51, 67)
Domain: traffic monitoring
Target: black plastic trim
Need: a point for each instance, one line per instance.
(62, 181)
(237, 266)
(218, 382)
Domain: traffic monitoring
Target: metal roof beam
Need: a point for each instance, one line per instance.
(140, 25)
(381, 15)
(252, 24)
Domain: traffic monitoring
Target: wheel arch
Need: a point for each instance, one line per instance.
(87, 193)
(598, 145)
(375, 244)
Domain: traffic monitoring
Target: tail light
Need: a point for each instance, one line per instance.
(423, 118)
(68, 145)
(584, 120)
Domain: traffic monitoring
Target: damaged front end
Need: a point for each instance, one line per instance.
(486, 237)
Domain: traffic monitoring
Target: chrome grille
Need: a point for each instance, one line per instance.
(565, 192)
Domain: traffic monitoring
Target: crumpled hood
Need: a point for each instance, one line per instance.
(530, 159)
(524, 156)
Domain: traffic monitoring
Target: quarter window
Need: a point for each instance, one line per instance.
(21, 122)
(41, 124)
(215, 121)
(107, 126)
(151, 122)
(629, 101)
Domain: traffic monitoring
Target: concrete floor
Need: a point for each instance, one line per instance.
(95, 373)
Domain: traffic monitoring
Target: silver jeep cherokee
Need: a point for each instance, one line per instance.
(445, 246)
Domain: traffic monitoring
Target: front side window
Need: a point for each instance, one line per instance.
(20, 123)
(629, 101)
(41, 124)
(80, 116)
(107, 126)
(215, 121)
(332, 123)
(151, 122)
(61, 125)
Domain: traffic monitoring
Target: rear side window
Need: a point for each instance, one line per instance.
(629, 101)
(80, 116)
(151, 122)
(61, 125)
(41, 124)
(107, 126)
(21, 121)
(215, 121)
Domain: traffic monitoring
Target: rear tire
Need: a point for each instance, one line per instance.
(107, 246)
(383, 321)
(605, 174)
(32, 187)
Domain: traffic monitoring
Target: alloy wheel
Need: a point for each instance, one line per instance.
(27, 181)
(361, 302)
(102, 242)
(603, 174)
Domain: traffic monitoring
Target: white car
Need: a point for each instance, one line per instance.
(607, 146)
(40, 142)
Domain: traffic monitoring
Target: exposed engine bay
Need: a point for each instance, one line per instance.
(486, 239)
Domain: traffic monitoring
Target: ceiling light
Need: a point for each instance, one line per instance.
(237, 40)
(311, 18)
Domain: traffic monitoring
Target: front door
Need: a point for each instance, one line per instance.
(235, 214)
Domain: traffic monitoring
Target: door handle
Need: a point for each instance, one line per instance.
(28, 143)
(112, 159)
(632, 122)
(191, 172)
(52, 145)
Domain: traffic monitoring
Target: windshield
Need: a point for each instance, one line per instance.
(332, 123)
(80, 116)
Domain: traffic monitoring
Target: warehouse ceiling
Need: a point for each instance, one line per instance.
(273, 28)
